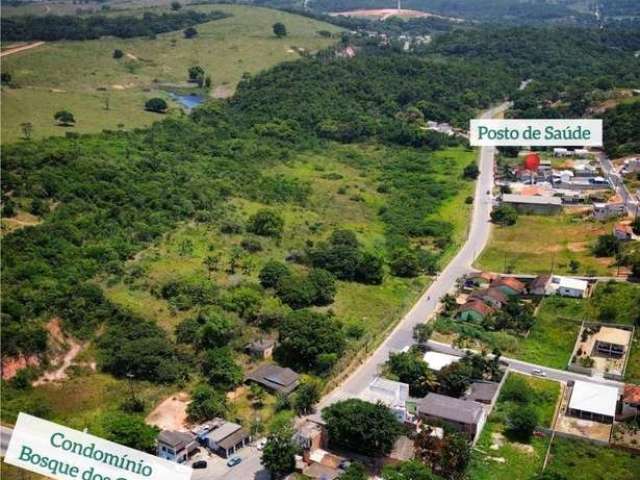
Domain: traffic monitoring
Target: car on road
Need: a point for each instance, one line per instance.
(199, 464)
(233, 461)
(538, 372)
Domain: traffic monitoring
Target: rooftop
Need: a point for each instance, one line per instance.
(389, 392)
(437, 361)
(274, 377)
(449, 408)
(482, 391)
(594, 398)
(631, 394)
(540, 281)
(510, 282)
(570, 282)
(531, 199)
(177, 440)
(492, 293)
(222, 432)
(478, 306)
(261, 344)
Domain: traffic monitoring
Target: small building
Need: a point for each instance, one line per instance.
(629, 406)
(533, 204)
(479, 279)
(391, 393)
(493, 297)
(275, 378)
(611, 342)
(482, 392)
(615, 207)
(310, 436)
(570, 287)
(225, 439)
(593, 401)
(437, 361)
(540, 285)
(510, 286)
(261, 348)
(623, 231)
(175, 446)
(464, 416)
(474, 311)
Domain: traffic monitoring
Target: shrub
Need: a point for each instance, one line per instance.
(190, 32)
(157, 105)
(522, 421)
(266, 223)
(504, 215)
(279, 30)
(117, 53)
(272, 273)
(251, 245)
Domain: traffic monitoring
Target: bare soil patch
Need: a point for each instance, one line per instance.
(171, 413)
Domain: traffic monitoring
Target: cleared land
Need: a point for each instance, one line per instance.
(82, 76)
(592, 461)
(385, 13)
(497, 457)
(539, 243)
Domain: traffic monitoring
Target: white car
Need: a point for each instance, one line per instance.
(261, 443)
(539, 372)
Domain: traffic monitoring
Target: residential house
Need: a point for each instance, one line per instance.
(391, 393)
(623, 231)
(437, 361)
(611, 342)
(629, 406)
(482, 392)
(261, 348)
(615, 207)
(474, 311)
(463, 415)
(593, 401)
(274, 378)
(493, 297)
(175, 446)
(309, 436)
(226, 438)
(323, 465)
(540, 285)
(533, 204)
(510, 286)
(569, 287)
(479, 279)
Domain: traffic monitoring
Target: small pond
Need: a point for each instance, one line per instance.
(188, 101)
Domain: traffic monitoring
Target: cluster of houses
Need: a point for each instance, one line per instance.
(547, 190)
(490, 292)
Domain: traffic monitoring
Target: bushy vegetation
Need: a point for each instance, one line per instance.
(622, 125)
(74, 27)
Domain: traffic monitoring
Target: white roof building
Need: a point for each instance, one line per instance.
(437, 361)
(389, 392)
(594, 401)
(569, 287)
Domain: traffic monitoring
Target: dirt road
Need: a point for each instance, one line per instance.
(21, 48)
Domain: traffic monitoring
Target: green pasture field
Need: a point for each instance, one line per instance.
(80, 75)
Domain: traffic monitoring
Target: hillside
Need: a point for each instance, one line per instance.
(82, 77)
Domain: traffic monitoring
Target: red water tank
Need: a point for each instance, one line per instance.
(532, 162)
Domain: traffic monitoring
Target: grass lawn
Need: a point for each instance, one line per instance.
(521, 460)
(68, 74)
(551, 340)
(593, 462)
(536, 243)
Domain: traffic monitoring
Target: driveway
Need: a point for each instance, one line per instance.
(249, 469)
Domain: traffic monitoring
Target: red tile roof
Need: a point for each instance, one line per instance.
(493, 293)
(477, 305)
(631, 394)
(510, 282)
(623, 228)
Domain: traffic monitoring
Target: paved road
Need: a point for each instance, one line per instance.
(529, 368)
(618, 184)
(402, 335)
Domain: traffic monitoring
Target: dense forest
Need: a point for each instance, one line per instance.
(75, 27)
(622, 130)
(567, 65)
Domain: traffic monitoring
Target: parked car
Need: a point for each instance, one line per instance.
(261, 443)
(233, 461)
(199, 464)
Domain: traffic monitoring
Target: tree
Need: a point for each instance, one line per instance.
(156, 105)
(411, 369)
(606, 246)
(324, 286)
(278, 456)
(130, 430)
(355, 471)
(5, 78)
(636, 225)
(272, 273)
(307, 395)
(279, 30)
(64, 118)
(361, 427)
(175, 6)
(216, 329)
(27, 129)
(574, 266)
(206, 403)
(117, 53)
(504, 215)
(448, 456)
(211, 262)
(454, 379)
(220, 368)
(522, 421)
(471, 171)
(196, 75)
(190, 32)
(266, 223)
(422, 332)
(305, 336)
(405, 263)
(411, 470)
